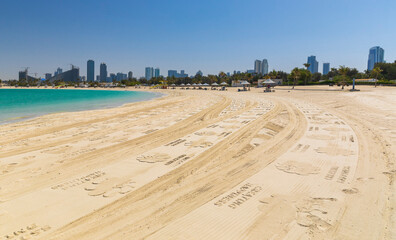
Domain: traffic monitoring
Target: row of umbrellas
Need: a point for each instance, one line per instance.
(199, 84)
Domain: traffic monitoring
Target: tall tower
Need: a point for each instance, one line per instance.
(149, 73)
(326, 68)
(103, 72)
(257, 66)
(264, 67)
(376, 55)
(157, 72)
(90, 71)
(314, 65)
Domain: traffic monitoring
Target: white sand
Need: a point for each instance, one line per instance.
(313, 164)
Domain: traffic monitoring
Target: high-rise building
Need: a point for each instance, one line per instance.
(130, 75)
(113, 76)
(48, 76)
(90, 70)
(149, 73)
(314, 65)
(199, 73)
(103, 72)
(326, 68)
(97, 78)
(71, 75)
(257, 66)
(376, 55)
(172, 73)
(264, 67)
(183, 74)
(121, 76)
(157, 72)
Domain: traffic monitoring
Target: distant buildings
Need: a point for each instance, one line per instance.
(376, 55)
(90, 70)
(264, 67)
(23, 75)
(103, 72)
(314, 65)
(326, 68)
(149, 73)
(58, 71)
(250, 71)
(48, 76)
(174, 73)
(199, 73)
(121, 76)
(261, 67)
(69, 76)
(257, 66)
(130, 75)
(156, 72)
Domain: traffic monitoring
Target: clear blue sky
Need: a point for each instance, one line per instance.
(207, 35)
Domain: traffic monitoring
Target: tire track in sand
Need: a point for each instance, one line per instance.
(212, 173)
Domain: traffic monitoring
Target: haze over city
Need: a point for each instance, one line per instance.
(203, 35)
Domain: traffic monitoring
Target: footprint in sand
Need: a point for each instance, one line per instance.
(278, 211)
(335, 151)
(110, 187)
(153, 158)
(321, 137)
(298, 168)
(205, 133)
(199, 143)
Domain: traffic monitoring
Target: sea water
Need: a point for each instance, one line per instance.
(20, 104)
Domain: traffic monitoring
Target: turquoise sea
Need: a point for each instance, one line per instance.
(20, 104)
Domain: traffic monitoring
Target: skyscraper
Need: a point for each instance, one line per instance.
(48, 76)
(157, 72)
(314, 65)
(376, 55)
(257, 66)
(199, 73)
(103, 72)
(90, 71)
(149, 73)
(326, 68)
(264, 67)
(130, 75)
(172, 73)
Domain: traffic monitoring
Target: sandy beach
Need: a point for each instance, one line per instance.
(312, 163)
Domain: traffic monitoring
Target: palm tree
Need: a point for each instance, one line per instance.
(295, 74)
(307, 65)
(376, 72)
(343, 71)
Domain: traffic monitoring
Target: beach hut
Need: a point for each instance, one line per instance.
(245, 85)
(214, 86)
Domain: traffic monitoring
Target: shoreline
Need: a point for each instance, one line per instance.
(25, 118)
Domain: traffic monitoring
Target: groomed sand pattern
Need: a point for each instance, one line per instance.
(206, 165)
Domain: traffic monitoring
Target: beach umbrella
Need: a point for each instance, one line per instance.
(188, 84)
(205, 84)
(173, 84)
(223, 83)
(215, 84)
(194, 84)
(182, 84)
(268, 81)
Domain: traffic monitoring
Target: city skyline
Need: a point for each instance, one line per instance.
(196, 42)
